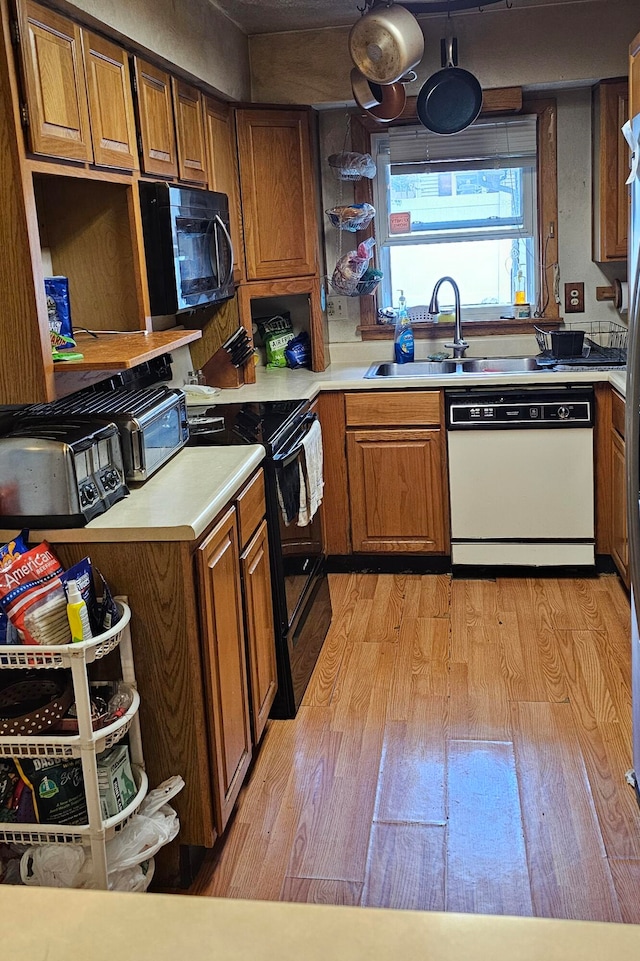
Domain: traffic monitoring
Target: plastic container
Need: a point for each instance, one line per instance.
(403, 341)
(567, 343)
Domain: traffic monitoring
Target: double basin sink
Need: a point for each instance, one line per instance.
(463, 365)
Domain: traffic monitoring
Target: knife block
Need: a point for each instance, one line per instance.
(220, 372)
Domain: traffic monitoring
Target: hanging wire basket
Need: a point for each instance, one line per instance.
(352, 217)
(351, 166)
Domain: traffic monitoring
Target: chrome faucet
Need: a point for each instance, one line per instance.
(459, 344)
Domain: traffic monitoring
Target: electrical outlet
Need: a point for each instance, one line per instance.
(336, 307)
(574, 298)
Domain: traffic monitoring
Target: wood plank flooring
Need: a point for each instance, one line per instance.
(462, 746)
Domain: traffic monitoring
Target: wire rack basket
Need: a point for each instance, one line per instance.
(604, 341)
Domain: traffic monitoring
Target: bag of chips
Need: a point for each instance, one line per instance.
(33, 597)
(276, 332)
(8, 553)
(57, 788)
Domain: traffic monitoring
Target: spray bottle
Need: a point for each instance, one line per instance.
(403, 342)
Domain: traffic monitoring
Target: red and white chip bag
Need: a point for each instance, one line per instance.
(33, 597)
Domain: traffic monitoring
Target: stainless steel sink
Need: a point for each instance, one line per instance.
(419, 368)
(497, 365)
(465, 365)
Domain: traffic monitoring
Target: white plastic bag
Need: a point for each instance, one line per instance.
(130, 853)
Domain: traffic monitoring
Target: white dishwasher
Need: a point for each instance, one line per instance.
(521, 476)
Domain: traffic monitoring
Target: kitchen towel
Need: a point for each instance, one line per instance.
(311, 475)
(288, 484)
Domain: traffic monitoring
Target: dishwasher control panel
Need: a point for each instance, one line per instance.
(538, 408)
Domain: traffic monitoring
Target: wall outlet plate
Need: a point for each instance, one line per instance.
(574, 298)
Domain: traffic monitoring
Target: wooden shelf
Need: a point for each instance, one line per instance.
(121, 351)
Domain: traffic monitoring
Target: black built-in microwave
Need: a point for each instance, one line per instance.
(187, 246)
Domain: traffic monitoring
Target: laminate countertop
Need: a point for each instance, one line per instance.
(284, 384)
(74, 925)
(176, 504)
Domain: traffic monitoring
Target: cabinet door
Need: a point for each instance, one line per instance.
(611, 167)
(256, 580)
(158, 153)
(54, 83)
(223, 170)
(113, 131)
(397, 493)
(619, 540)
(278, 196)
(224, 664)
(634, 76)
(192, 155)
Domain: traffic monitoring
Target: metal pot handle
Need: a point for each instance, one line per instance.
(449, 51)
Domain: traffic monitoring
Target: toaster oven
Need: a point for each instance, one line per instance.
(59, 474)
(152, 422)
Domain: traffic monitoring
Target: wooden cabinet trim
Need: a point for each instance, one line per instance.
(405, 408)
(611, 196)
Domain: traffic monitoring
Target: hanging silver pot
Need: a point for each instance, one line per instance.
(386, 42)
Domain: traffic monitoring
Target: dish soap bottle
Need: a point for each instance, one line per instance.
(403, 342)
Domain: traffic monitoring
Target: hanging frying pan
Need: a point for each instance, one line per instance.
(382, 102)
(386, 42)
(450, 99)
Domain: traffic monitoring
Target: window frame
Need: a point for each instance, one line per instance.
(502, 101)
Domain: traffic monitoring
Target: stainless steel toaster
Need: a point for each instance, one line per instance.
(152, 422)
(59, 474)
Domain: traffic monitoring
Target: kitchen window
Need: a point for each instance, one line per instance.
(436, 252)
(464, 205)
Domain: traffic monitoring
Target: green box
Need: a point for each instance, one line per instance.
(115, 781)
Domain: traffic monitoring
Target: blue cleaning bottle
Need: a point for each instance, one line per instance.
(403, 343)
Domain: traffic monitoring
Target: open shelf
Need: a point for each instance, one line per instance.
(122, 351)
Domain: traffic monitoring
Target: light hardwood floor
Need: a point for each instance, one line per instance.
(462, 746)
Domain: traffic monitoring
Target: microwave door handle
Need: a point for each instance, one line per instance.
(229, 277)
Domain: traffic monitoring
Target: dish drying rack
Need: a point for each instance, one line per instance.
(605, 342)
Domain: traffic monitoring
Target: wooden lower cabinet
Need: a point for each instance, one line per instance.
(397, 491)
(224, 663)
(261, 653)
(619, 537)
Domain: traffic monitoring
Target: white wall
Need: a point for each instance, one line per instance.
(194, 36)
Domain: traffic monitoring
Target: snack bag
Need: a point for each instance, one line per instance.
(33, 597)
(8, 553)
(276, 332)
(57, 789)
(59, 311)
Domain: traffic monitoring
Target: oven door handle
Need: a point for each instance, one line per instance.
(287, 457)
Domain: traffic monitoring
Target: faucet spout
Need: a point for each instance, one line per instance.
(459, 344)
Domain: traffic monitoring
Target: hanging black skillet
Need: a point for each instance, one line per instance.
(450, 99)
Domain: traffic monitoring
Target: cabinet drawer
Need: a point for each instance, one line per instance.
(386, 408)
(617, 412)
(251, 507)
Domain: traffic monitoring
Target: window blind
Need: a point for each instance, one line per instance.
(486, 144)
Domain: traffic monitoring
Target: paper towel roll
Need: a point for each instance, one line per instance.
(622, 297)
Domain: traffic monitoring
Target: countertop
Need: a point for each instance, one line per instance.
(74, 925)
(284, 384)
(176, 504)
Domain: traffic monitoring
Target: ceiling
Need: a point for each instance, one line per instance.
(276, 16)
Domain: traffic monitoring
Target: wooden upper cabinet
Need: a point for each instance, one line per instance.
(192, 155)
(222, 163)
(51, 58)
(278, 192)
(155, 119)
(634, 76)
(610, 171)
(113, 129)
